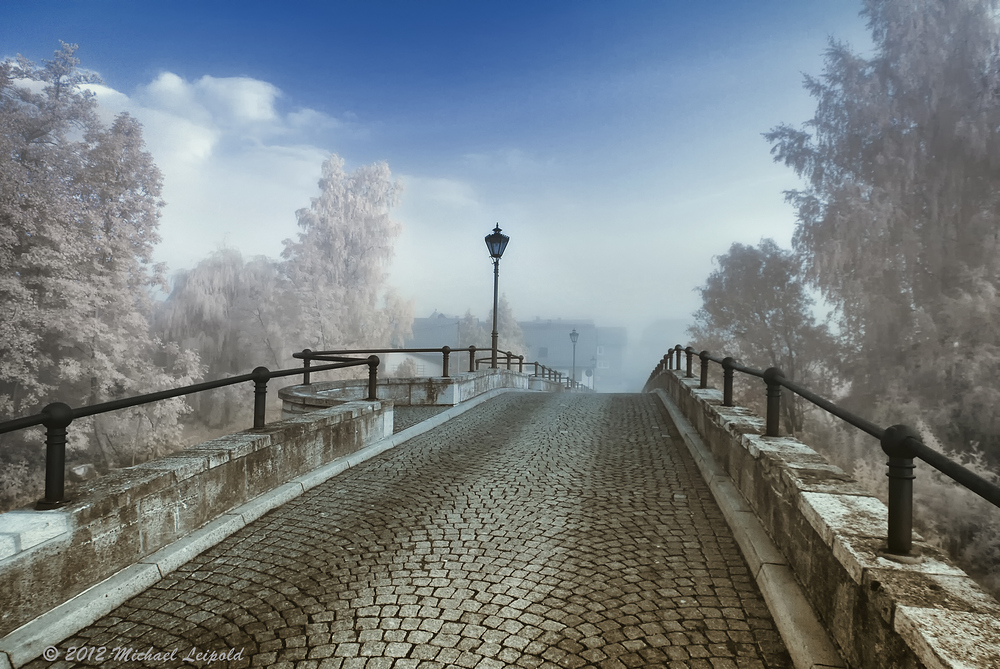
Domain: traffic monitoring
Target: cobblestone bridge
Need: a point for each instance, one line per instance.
(534, 530)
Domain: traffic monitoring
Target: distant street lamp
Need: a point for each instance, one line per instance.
(573, 336)
(496, 243)
(593, 380)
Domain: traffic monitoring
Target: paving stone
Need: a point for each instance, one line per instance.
(408, 416)
(535, 530)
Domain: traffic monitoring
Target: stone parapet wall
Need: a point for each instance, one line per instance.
(120, 519)
(883, 612)
(423, 391)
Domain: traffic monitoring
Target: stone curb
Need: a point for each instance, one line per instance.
(29, 641)
(806, 639)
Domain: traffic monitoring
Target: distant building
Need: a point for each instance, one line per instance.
(434, 332)
(599, 350)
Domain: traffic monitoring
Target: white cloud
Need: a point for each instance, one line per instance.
(112, 101)
(310, 118)
(235, 167)
(213, 100)
(171, 94)
(239, 99)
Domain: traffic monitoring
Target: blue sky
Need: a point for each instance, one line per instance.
(618, 143)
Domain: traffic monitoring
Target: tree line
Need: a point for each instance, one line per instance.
(79, 213)
(898, 230)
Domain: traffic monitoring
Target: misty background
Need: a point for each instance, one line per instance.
(619, 145)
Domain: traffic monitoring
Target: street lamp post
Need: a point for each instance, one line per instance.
(496, 243)
(593, 380)
(573, 336)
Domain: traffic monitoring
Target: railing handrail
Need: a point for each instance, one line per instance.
(148, 398)
(838, 411)
(57, 416)
(315, 354)
(307, 355)
(901, 443)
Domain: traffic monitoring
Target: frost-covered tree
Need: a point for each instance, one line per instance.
(510, 337)
(406, 369)
(899, 226)
(233, 312)
(756, 309)
(471, 332)
(337, 267)
(329, 292)
(229, 309)
(79, 211)
(899, 220)
(474, 332)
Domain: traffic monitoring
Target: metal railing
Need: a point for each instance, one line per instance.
(57, 416)
(505, 358)
(900, 442)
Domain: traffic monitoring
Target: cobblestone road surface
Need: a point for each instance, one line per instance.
(408, 416)
(535, 530)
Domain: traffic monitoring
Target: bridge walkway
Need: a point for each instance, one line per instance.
(535, 530)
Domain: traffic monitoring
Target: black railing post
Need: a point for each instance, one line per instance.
(771, 376)
(690, 356)
(669, 359)
(305, 366)
(677, 357)
(372, 377)
(704, 369)
(445, 350)
(260, 378)
(58, 416)
(894, 443)
(536, 369)
(727, 381)
(472, 358)
(520, 364)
